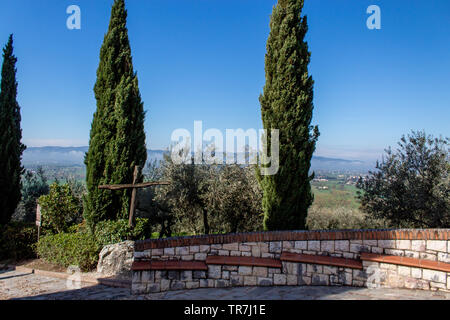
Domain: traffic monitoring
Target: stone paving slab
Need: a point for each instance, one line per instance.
(20, 285)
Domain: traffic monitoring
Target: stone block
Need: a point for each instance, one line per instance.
(200, 256)
(186, 275)
(377, 250)
(279, 279)
(236, 280)
(444, 257)
(256, 252)
(314, 268)
(177, 285)
(231, 246)
(188, 257)
(342, 245)
(182, 251)
(287, 245)
(222, 283)
(330, 270)
(245, 271)
(313, 245)
(302, 245)
(403, 244)
(358, 248)
(260, 271)
(194, 249)
(273, 270)
(173, 275)
(214, 271)
(437, 245)
(199, 274)
(169, 251)
(327, 246)
(165, 284)
(157, 252)
(394, 252)
(265, 282)
(412, 254)
(148, 276)
(291, 280)
(192, 284)
(319, 280)
(386, 244)
(434, 275)
(428, 256)
(205, 248)
(224, 253)
(418, 245)
(274, 247)
(154, 287)
(404, 271)
(243, 247)
(371, 243)
(416, 273)
(206, 283)
(250, 281)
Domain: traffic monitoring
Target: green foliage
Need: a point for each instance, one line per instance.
(287, 105)
(59, 209)
(340, 218)
(66, 249)
(222, 198)
(17, 241)
(109, 232)
(234, 199)
(10, 136)
(117, 138)
(411, 187)
(34, 185)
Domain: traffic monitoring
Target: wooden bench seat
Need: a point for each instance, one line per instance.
(407, 261)
(322, 260)
(244, 261)
(169, 265)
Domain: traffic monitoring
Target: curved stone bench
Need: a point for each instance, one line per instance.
(414, 259)
(406, 261)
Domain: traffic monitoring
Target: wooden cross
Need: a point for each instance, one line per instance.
(133, 186)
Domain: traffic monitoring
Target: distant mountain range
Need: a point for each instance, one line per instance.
(74, 156)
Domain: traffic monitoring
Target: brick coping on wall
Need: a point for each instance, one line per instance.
(382, 234)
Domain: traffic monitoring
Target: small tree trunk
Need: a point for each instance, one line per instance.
(205, 221)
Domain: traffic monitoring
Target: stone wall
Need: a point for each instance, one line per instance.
(422, 245)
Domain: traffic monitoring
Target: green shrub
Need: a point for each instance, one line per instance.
(17, 241)
(60, 209)
(320, 218)
(109, 231)
(66, 249)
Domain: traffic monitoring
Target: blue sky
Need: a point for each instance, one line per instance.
(204, 60)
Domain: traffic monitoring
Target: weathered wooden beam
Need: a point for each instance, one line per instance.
(130, 186)
(133, 198)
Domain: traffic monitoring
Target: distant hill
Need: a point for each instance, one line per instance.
(74, 156)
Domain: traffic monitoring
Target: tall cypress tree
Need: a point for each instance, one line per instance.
(287, 105)
(10, 137)
(117, 139)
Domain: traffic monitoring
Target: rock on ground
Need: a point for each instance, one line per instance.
(115, 260)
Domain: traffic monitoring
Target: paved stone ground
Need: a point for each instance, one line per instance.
(19, 285)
